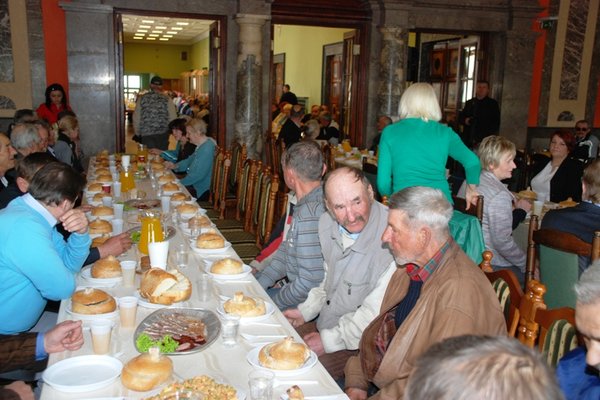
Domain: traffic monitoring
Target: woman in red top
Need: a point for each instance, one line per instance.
(56, 101)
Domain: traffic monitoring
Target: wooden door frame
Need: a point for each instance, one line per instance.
(218, 109)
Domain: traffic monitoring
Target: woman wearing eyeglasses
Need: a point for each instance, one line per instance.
(559, 177)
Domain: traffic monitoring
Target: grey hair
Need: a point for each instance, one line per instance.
(424, 206)
(481, 367)
(305, 159)
(312, 129)
(419, 101)
(198, 125)
(24, 136)
(588, 287)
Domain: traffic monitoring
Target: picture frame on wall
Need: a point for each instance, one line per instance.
(451, 90)
(437, 64)
(452, 63)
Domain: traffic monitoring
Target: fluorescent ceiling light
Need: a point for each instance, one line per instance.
(160, 27)
(172, 32)
(150, 38)
(153, 35)
(163, 39)
(145, 26)
(168, 36)
(156, 32)
(182, 23)
(138, 37)
(177, 28)
(148, 21)
(143, 30)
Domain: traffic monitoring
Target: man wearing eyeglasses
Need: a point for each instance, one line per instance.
(587, 143)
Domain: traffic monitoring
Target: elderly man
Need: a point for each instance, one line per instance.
(36, 263)
(481, 367)
(7, 160)
(358, 270)
(577, 371)
(329, 128)
(587, 143)
(25, 139)
(436, 292)
(291, 131)
(153, 112)
(481, 116)
(299, 255)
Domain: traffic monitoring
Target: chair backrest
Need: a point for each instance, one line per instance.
(242, 189)
(239, 153)
(460, 204)
(217, 165)
(279, 148)
(250, 194)
(266, 209)
(329, 156)
(557, 333)
(223, 184)
(559, 264)
(532, 301)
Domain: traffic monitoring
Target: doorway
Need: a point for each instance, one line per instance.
(186, 50)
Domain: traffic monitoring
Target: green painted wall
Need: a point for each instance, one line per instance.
(163, 60)
(199, 54)
(303, 48)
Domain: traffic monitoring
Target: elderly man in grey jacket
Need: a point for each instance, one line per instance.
(299, 257)
(358, 268)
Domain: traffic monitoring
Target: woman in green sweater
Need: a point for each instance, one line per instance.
(414, 151)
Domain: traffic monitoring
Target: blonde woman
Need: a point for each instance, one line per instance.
(67, 148)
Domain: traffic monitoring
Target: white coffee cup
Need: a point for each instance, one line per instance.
(117, 189)
(125, 160)
(158, 252)
(537, 207)
(127, 311)
(118, 208)
(101, 330)
(128, 272)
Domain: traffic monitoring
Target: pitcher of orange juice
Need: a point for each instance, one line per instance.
(151, 230)
(142, 153)
(127, 179)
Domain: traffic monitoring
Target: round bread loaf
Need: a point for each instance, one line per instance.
(165, 178)
(100, 227)
(98, 197)
(187, 208)
(108, 267)
(102, 171)
(528, 194)
(97, 241)
(104, 178)
(210, 241)
(244, 306)
(147, 371)
(161, 287)
(157, 166)
(179, 196)
(102, 211)
(170, 187)
(94, 187)
(199, 220)
(227, 266)
(284, 355)
(91, 301)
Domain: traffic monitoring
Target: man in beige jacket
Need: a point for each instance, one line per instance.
(436, 292)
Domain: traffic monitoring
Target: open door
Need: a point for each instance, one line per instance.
(120, 101)
(216, 76)
(350, 117)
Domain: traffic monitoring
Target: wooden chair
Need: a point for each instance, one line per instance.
(507, 288)
(532, 301)
(213, 181)
(460, 204)
(243, 186)
(558, 255)
(266, 209)
(222, 184)
(329, 156)
(557, 334)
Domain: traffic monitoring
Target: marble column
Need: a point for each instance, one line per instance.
(248, 121)
(392, 63)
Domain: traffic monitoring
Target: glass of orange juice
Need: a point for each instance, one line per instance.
(151, 230)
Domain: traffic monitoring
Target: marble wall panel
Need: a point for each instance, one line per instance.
(6, 51)
(571, 62)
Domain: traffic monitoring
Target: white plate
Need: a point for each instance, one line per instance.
(89, 317)
(83, 373)
(146, 304)
(252, 358)
(209, 251)
(246, 269)
(86, 274)
(269, 311)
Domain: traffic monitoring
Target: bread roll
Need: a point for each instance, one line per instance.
(102, 171)
(227, 266)
(166, 178)
(179, 196)
(98, 197)
(187, 208)
(295, 393)
(102, 211)
(528, 194)
(99, 240)
(161, 287)
(147, 371)
(157, 166)
(92, 301)
(108, 267)
(170, 187)
(100, 227)
(199, 220)
(94, 187)
(244, 306)
(210, 241)
(104, 178)
(284, 355)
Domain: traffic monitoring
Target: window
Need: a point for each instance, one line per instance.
(131, 87)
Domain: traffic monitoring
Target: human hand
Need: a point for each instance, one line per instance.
(523, 204)
(155, 151)
(313, 340)
(65, 336)
(471, 195)
(116, 245)
(356, 394)
(85, 207)
(22, 390)
(74, 220)
(294, 316)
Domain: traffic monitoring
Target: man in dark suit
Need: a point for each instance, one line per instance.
(288, 96)
(290, 132)
(583, 219)
(480, 117)
(29, 350)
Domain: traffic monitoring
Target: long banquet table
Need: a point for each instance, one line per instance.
(226, 365)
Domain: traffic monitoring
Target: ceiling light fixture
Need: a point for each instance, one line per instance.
(172, 32)
(145, 26)
(138, 37)
(177, 28)
(168, 36)
(151, 38)
(163, 39)
(160, 27)
(148, 21)
(143, 30)
(154, 35)
(182, 23)
(156, 32)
